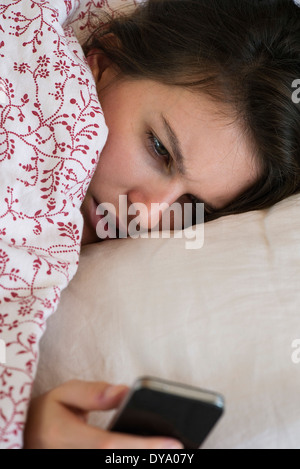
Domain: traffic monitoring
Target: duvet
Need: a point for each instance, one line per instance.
(52, 132)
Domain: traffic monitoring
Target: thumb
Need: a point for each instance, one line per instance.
(87, 395)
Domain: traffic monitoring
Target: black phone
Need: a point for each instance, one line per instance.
(157, 407)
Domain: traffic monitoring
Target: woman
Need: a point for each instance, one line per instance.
(197, 96)
(213, 79)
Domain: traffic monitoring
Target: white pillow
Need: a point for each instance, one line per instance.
(223, 317)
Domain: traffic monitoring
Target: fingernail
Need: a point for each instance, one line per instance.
(171, 444)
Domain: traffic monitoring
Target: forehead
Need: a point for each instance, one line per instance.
(217, 154)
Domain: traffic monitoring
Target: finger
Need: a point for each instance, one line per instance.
(88, 395)
(114, 440)
(89, 437)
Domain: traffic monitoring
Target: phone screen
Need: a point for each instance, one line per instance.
(152, 410)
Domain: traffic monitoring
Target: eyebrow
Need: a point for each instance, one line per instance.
(175, 145)
(179, 158)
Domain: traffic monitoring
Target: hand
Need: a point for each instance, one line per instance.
(58, 420)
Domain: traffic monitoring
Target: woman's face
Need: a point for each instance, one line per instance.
(164, 144)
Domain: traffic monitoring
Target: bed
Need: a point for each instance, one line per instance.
(224, 317)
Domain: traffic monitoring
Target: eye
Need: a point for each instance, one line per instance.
(158, 150)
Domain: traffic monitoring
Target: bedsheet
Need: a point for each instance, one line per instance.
(51, 135)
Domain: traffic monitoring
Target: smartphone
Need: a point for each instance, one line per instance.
(157, 407)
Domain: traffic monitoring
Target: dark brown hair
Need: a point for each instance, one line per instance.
(244, 53)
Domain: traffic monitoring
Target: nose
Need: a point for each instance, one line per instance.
(153, 207)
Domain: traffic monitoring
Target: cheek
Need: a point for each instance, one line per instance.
(118, 168)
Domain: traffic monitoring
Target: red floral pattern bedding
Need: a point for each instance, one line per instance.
(51, 134)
